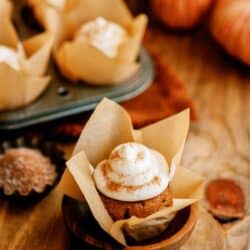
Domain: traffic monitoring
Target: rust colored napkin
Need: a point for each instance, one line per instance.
(165, 97)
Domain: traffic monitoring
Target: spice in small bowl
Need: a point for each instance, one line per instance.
(29, 167)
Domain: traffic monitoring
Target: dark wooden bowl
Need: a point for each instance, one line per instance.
(88, 234)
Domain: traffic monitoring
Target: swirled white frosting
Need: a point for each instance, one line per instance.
(10, 57)
(133, 172)
(58, 4)
(105, 35)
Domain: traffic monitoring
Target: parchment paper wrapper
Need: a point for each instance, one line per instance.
(20, 87)
(78, 60)
(109, 126)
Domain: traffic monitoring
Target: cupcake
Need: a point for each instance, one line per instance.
(92, 42)
(22, 64)
(131, 179)
(134, 182)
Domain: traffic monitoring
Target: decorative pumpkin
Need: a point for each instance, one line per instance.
(230, 26)
(180, 14)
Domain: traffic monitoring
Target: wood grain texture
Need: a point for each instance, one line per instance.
(39, 226)
(218, 144)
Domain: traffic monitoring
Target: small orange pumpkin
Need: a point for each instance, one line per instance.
(230, 26)
(180, 14)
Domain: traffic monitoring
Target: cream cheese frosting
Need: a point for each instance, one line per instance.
(105, 35)
(10, 57)
(58, 4)
(132, 172)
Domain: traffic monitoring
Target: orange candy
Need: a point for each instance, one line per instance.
(226, 199)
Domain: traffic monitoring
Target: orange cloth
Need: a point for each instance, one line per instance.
(166, 96)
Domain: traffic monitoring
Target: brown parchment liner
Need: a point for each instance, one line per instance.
(20, 87)
(109, 126)
(78, 60)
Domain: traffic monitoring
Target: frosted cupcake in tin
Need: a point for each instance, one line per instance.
(95, 41)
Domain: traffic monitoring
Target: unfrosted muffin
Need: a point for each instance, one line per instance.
(23, 170)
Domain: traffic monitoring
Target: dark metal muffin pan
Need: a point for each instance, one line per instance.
(63, 98)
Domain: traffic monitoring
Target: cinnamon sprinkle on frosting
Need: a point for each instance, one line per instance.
(132, 172)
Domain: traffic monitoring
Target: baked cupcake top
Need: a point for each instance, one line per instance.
(132, 173)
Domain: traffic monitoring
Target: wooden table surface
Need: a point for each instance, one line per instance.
(218, 145)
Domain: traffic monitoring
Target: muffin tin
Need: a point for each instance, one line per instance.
(63, 98)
